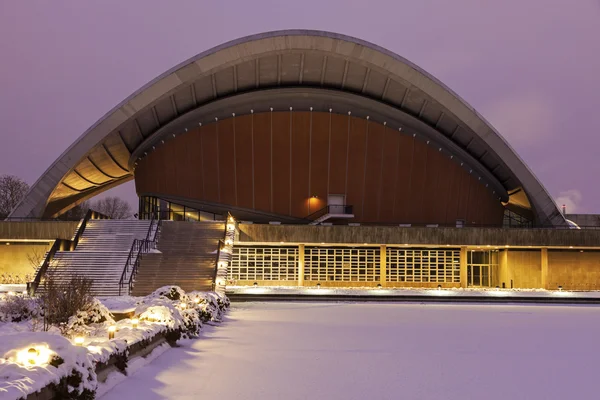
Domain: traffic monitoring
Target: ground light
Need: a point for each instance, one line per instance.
(197, 300)
(78, 340)
(135, 322)
(111, 332)
(34, 356)
(183, 306)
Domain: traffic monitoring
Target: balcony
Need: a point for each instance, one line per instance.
(332, 211)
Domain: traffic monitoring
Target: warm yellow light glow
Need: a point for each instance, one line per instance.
(78, 340)
(135, 322)
(230, 227)
(112, 328)
(183, 306)
(34, 356)
(197, 300)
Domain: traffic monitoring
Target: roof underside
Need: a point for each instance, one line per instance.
(303, 62)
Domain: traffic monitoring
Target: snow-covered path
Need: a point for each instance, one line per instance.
(381, 351)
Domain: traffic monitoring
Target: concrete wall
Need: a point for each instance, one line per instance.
(574, 270)
(585, 219)
(524, 269)
(14, 259)
(36, 230)
(417, 236)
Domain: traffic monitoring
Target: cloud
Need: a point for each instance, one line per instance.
(571, 199)
(523, 119)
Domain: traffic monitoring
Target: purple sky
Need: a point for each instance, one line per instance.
(532, 68)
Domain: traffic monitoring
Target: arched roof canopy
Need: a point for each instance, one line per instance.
(294, 68)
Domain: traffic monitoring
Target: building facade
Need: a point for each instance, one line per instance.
(305, 128)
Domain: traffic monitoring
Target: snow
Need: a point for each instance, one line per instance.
(169, 309)
(120, 304)
(370, 291)
(381, 351)
(17, 380)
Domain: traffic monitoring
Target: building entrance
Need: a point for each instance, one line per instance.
(482, 267)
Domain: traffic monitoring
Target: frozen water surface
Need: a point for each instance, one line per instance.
(381, 351)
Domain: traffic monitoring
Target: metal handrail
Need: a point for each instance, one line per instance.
(138, 247)
(64, 244)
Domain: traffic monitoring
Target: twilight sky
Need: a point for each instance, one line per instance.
(531, 67)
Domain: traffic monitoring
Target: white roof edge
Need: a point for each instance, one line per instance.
(34, 203)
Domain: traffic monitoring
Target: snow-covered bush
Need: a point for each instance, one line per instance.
(62, 300)
(92, 313)
(213, 305)
(68, 369)
(18, 308)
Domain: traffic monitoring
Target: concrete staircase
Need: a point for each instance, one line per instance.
(186, 259)
(101, 254)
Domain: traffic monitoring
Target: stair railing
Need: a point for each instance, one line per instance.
(138, 247)
(62, 245)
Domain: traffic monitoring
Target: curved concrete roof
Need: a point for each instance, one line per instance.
(298, 67)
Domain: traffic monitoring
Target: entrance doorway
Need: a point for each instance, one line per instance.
(336, 203)
(482, 267)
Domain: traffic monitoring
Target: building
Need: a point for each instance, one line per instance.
(314, 128)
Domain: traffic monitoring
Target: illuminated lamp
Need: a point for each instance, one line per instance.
(78, 340)
(197, 300)
(135, 322)
(183, 306)
(111, 332)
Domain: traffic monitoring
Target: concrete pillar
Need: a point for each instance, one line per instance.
(301, 265)
(503, 269)
(382, 265)
(544, 252)
(463, 267)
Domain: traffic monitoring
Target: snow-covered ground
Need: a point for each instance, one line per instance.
(381, 351)
(403, 292)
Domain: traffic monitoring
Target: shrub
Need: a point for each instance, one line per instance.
(92, 313)
(19, 308)
(62, 300)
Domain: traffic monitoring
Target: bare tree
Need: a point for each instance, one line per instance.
(76, 213)
(113, 207)
(12, 190)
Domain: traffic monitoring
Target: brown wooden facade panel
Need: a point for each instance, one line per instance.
(338, 150)
(356, 165)
(319, 152)
(277, 162)
(262, 161)
(243, 161)
(389, 174)
(300, 163)
(404, 178)
(281, 162)
(374, 152)
(226, 148)
(210, 162)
